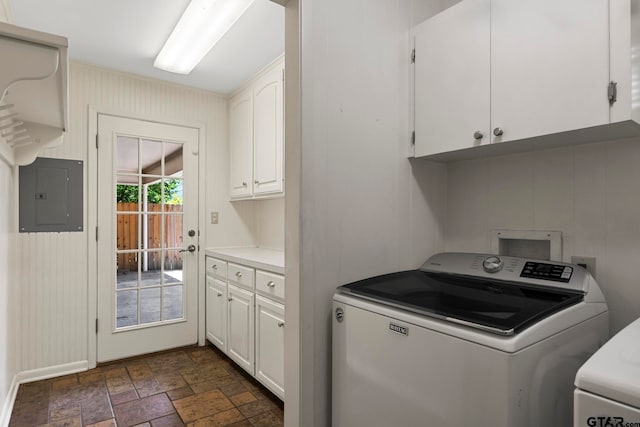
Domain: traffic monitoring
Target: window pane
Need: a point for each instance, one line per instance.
(173, 238)
(173, 266)
(172, 158)
(151, 274)
(127, 193)
(151, 157)
(127, 155)
(127, 231)
(173, 194)
(127, 308)
(172, 302)
(126, 279)
(149, 305)
(152, 230)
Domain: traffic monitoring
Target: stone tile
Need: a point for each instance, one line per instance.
(64, 383)
(139, 371)
(172, 420)
(202, 405)
(203, 356)
(244, 423)
(225, 418)
(179, 393)
(119, 371)
(233, 388)
(143, 425)
(243, 398)
(119, 384)
(68, 422)
(266, 419)
(212, 384)
(63, 412)
(77, 394)
(142, 410)
(91, 377)
(95, 410)
(204, 373)
(120, 398)
(159, 384)
(168, 362)
(254, 408)
(26, 416)
(105, 423)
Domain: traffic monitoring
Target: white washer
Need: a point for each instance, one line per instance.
(608, 384)
(468, 339)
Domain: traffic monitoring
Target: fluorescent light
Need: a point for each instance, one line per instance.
(202, 24)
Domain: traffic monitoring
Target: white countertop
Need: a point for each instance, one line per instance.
(261, 258)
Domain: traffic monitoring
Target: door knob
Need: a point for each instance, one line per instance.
(190, 248)
(498, 132)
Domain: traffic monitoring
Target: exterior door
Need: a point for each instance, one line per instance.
(147, 237)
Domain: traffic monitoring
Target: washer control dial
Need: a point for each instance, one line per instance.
(492, 264)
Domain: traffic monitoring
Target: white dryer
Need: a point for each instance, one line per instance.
(466, 340)
(608, 384)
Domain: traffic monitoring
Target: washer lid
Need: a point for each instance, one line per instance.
(614, 370)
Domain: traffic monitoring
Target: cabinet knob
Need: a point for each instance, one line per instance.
(219, 294)
(215, 267)
(497, 132)
(271, 284)
(256, 182)
(230, 299)
(478, 135)
(280, 324)
(238, 274)
(244, 184)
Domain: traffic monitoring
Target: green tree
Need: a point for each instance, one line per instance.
(172, 192)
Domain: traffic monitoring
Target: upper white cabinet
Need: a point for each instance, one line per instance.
(256, 136)
(241, 146)
(539, 71)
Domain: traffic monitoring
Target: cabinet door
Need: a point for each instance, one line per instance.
(240, 321)
(241, 144)
(452, 69)
(270, 345)
(267, 133)
(217, 313)
(549, 66)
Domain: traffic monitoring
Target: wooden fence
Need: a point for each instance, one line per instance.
(127, 236)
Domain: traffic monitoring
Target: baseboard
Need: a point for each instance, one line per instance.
(52, 371)
(36, 375)
(7, 406)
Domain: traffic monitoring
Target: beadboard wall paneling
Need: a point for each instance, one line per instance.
(54, 272)
(588, 192)
(8, 324)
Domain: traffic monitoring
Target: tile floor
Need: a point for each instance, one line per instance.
(195, 386)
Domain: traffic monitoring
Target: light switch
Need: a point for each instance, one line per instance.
(214, 217)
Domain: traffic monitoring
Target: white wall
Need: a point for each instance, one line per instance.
(269, 230)
(588, 192)
(8, 285)
(54, 275)
(364, 208)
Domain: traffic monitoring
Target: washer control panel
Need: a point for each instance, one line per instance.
(544, 271)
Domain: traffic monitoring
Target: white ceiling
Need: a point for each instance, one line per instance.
(126, 35)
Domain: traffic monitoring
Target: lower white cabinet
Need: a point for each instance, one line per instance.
(217, 312)
(270, 345)
(245, 319)
(240, 315)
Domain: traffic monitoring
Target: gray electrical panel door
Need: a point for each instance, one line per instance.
(51, 196)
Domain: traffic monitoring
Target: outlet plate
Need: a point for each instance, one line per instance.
(214, 217)
(590, 262)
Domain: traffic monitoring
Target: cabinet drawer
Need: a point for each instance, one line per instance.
(270, 284)
(241, 275)
(216, 267)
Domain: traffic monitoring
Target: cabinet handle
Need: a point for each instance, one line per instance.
(478, 135)
(215, 267)
(230, 299)
(280, 324)
(256, 182)
(498, 132)
(238, 274)
(271, 284)
(219, 294)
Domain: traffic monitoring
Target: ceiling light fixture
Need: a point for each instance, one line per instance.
(201, 26)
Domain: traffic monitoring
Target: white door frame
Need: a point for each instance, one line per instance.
(92, 218)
